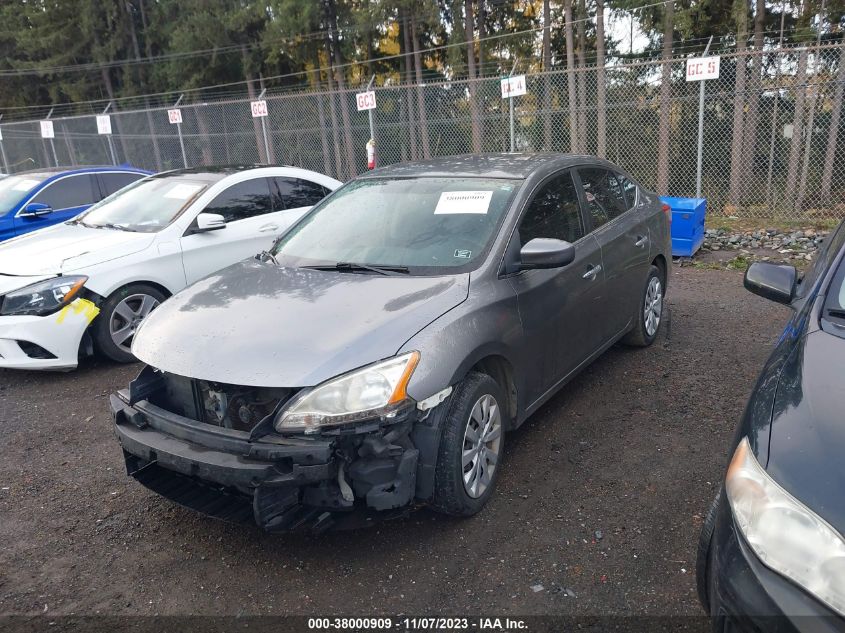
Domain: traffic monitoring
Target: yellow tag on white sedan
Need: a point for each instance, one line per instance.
(79, 306)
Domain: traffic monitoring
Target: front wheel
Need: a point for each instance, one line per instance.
(471, 446)
(120, 316)
(650, 312)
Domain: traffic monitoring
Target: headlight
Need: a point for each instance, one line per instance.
(374, 391)
(787, 536)
(43, 297)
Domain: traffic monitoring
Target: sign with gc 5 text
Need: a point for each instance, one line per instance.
(366, 100)
(513, 86)
(47, 129)
(701, 68)
(174, 116)
(104, 124)
(259, 108)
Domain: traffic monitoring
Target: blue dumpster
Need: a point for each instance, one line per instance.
(687, 224)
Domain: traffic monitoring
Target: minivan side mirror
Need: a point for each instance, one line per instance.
(206, 222)
(776, 282)
(546, 252)
(35, 209)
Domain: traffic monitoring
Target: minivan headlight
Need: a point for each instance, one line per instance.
(43, 297)
(373, 391)
(787, 536)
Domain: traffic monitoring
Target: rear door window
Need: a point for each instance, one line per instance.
(112, 182)
(292, 193)
(603, 193)
(553, 212)
(244, 200)
(69, 192)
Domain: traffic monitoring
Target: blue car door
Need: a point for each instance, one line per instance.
(7, 225)
(65, 198)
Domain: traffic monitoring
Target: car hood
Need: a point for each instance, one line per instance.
(67, 247)
(262, 325)
(807, 437)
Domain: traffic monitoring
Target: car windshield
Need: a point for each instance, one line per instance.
(13, 189)
(146, 206)
(415, 223)
(834, 308)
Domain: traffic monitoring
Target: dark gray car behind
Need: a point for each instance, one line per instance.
(577, 262)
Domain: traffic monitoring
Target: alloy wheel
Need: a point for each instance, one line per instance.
(127, 316)
(653, 306)
(482, 442)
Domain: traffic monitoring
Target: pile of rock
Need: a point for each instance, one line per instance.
(797, 244)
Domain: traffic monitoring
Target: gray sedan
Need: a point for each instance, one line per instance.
(376, 357)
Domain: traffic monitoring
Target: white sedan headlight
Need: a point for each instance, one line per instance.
(374, 391)
(786, 535)
(42, 298)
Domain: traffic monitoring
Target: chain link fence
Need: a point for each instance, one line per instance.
(772, 141)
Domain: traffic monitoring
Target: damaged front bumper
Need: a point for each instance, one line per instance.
(279, 482)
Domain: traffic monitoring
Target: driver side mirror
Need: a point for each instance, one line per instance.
(545, 252)
(206, 222)
(35, 209)
(775, 282)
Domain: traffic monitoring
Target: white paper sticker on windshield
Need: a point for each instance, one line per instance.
(463, 202)
(182, 191)
(25, 185)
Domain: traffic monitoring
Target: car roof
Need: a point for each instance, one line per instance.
(512, 166)
(49, 172)
(212, 173)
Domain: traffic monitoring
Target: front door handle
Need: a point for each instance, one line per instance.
(268, 227)
(642, 240)
(592, 272)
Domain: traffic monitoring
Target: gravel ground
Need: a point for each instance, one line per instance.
(600, 500)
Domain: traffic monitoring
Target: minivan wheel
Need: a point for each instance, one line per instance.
(702, 560)
(471, 446)
(119, 318)
(650, 312)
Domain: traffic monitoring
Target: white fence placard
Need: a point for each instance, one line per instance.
(104, 124)
(174, 116)
(47, 129)
(259, 108)
(366, 100)
(701, 68)
(513, 86)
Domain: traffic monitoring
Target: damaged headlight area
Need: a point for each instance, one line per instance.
(375, 391)
(42, 298)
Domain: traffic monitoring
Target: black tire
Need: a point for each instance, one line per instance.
(702, 559)
(100, 331)
(450, 493)
(639, 336)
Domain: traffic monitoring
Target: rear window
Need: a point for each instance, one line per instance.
(13, 189)
(115, 182)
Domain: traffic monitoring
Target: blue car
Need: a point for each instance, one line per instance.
(35, 199)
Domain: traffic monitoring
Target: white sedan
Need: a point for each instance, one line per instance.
(87, 284)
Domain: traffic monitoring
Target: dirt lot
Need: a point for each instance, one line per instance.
(633, 448)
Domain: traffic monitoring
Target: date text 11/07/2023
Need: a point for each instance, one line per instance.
(416, 624)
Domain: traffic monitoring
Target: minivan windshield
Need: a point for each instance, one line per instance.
(147, 205)
(13, 189)
(445, 224)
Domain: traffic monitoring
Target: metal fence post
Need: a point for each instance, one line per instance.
(264, 130)
(3, 152)
(510, 102)
(53, 145)
(700, 156)
(179, 132)
(109, 139)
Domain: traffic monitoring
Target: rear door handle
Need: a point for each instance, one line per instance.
(641, 241)
(592, 272)
(268, 227)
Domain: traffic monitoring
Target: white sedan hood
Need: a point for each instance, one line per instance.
(67, 247)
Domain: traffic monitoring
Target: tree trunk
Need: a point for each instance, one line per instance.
(665, 101)
(833, 130)
(341, 85)
(141, 76)
(426, 149)
(570, 78)
(471, 78)
(118, 122)
(601, 114)
(754, 89)
(340, 172)
(582, 75)
(794, 161)
(202, 128)
(738, 133)
(316, 77)
(250, 91)
(547, 81)
(407, 71)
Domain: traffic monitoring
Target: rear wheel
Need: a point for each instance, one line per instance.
(650, 312)
(471, 446)
(702, 561)
(120, 316)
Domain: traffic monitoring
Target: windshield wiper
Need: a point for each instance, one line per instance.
(265, 255)
(349, 267)
(111, 225)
